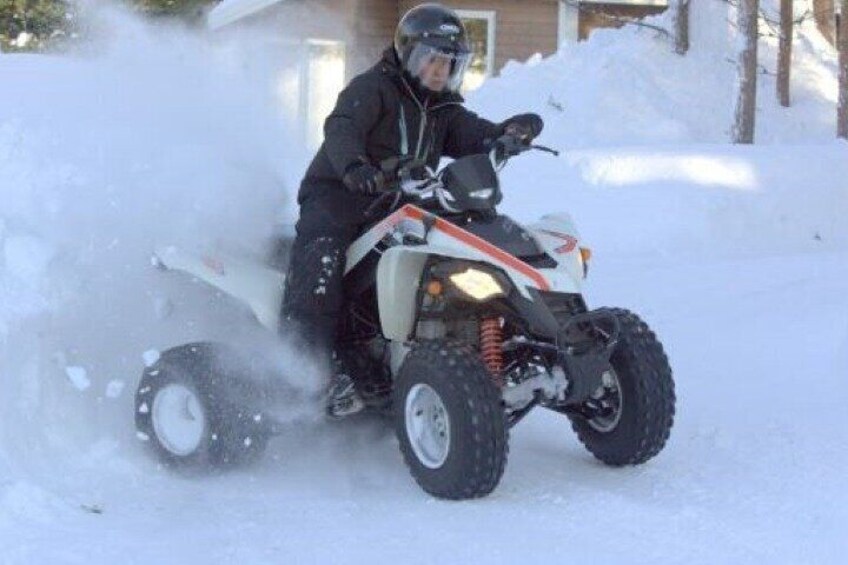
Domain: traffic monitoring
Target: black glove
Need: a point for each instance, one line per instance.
(507, 146)
(525, 127)
(364, 178)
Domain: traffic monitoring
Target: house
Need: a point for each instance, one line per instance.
(335, 39)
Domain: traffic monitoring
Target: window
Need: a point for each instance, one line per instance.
(308, 76)
(322, 76)
(480, 25)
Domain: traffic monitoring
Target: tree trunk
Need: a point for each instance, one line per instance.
(681, 26)
(746, 102)
(784, 55)
(842, 114)
(823, 14)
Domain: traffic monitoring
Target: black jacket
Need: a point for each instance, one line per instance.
(380, 115)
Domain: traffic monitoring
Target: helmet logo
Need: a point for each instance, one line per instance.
(449, 28)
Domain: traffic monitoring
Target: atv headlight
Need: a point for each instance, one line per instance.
(477, 284)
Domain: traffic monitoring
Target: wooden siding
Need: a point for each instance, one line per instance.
(523, 27)
(373, 24)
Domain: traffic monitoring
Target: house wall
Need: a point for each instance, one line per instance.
(523, 27)
(365, 26)
(373, 23)
(327, 19)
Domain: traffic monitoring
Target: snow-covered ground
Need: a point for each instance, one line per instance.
(738, 257)
(753, 473)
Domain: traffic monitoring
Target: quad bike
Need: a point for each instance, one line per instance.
(458, 322)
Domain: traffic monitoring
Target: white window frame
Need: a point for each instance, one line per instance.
(568, 24)
(491, 17)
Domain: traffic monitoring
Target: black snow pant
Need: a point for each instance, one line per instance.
(329, 221)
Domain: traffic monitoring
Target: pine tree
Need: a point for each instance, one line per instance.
(41, 20)
(189, 10)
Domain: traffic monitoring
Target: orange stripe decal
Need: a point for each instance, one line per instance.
(456, 232)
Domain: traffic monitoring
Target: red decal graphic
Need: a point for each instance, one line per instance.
(479, 244)
(570, 241)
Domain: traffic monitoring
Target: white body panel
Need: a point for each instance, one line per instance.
(252, 282)
(398, 278)
(558, 236)
(400, 268)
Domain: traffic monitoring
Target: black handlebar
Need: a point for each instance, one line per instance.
(395, 170)
(507, 146)
(545, 149)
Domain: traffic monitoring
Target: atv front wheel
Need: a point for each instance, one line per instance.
(449, 421)
(637, 399)
(197, 411)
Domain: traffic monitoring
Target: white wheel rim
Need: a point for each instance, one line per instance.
(427, 426)
(179, 420)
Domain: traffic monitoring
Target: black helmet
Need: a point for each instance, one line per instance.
(432, 30)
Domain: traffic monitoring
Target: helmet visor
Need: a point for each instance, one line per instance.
(438, 69)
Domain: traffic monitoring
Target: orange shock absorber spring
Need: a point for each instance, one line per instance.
(491, 348)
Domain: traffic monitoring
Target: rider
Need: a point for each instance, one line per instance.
(406, 105)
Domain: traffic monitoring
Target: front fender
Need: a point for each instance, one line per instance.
(398, 281)
(399, 274)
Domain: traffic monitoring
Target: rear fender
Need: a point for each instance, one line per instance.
(251, 282)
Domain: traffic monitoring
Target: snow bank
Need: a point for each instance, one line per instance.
(627, 87)
(693, 202)
(646, 168)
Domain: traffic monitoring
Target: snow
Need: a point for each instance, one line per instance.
(623, 87)
(150, 357)
(737, 257)
(78, 377)
(114, 388)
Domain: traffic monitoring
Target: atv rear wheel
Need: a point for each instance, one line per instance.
(196, 411)
(637, 398)
(450, 421)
